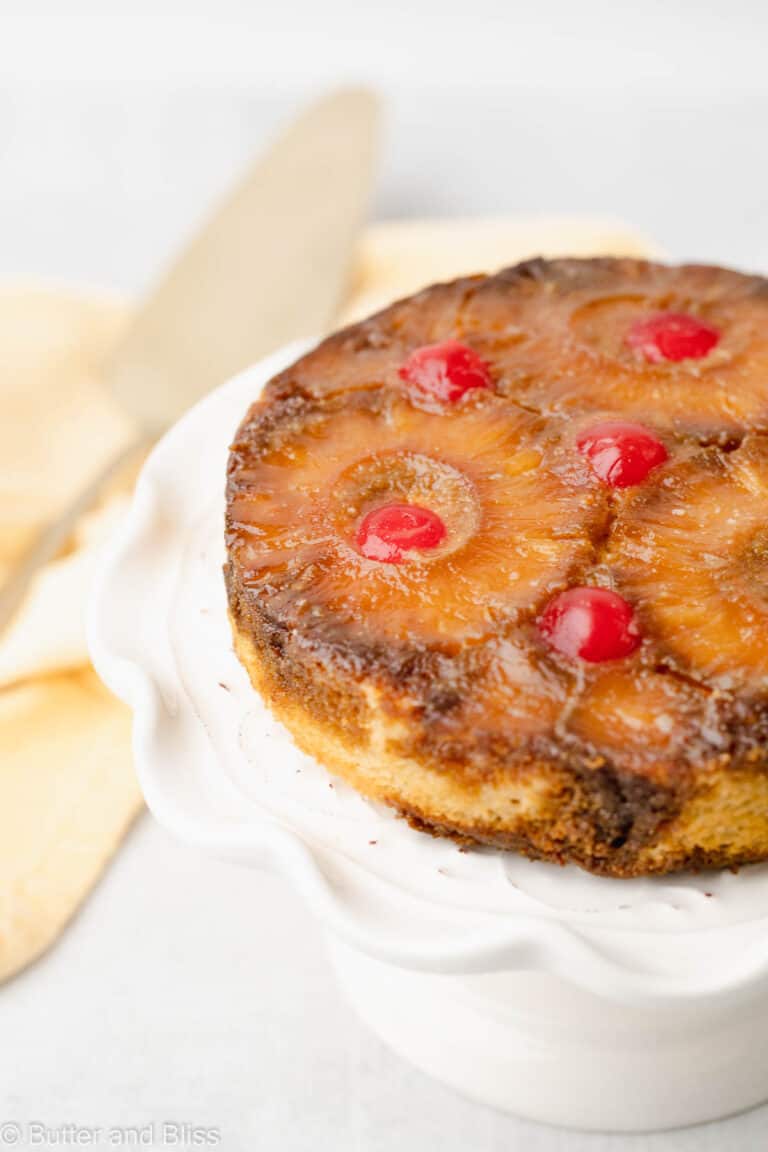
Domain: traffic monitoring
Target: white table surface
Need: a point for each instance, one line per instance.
(192, 991)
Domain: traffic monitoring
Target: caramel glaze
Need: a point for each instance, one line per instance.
(437, 667)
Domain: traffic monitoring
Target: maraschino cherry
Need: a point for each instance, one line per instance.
(592, 624)
(620, 453)
(445, 372)
(672, 336)
(386, 533)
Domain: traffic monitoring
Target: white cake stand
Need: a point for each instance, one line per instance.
(605, 1004)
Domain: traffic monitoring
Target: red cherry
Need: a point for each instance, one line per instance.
(445, 371)
(386, 533)
(672, 336)
(592, 624)
(621, 454)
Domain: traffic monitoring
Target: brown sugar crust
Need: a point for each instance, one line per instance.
(427, 684)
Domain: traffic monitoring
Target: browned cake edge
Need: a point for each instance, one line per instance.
(608, 822)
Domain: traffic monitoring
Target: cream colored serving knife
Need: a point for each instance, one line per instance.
(270, 266)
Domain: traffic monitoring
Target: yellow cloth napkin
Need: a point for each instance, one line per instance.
(67, 789)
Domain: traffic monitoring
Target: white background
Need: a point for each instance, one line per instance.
(188, 990)
(120, 121)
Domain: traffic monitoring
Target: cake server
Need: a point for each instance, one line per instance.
(270, 266)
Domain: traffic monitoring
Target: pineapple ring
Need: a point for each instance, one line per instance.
(427, 681)
(556, 332)
(515, 527)
(693, 556)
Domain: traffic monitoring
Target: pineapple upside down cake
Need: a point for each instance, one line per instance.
(498, 556)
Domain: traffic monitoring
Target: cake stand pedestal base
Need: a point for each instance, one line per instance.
(528, 1043)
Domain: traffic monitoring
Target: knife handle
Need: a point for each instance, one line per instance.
(54, 535)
